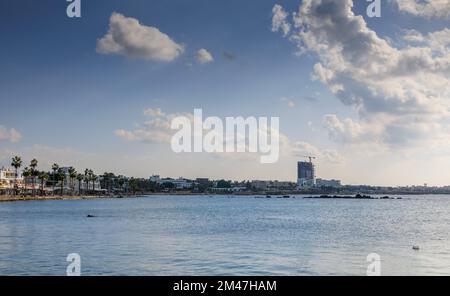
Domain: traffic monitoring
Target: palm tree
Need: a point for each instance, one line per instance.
(26, 173)
(93, 178)
(121, 182)
(108, 179)
(16, 163)
(55, 168)
(133, 185)
(80, 179)
(61, 177)
(86, 178)
(72, 175)
(43, 176)
(33, 165)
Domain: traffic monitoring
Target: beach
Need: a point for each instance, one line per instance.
(9, 198)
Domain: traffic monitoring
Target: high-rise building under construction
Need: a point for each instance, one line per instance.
(305, 174)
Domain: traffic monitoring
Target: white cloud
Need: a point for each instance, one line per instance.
(154, 112)
(301, 149)
(279, 20)
(11, 135)
(437, 41)
(425, 8)
(204, 56)
(401, 94)
(127, 37)
(156, 130)
(289, 103)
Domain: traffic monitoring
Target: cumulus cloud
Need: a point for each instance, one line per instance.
(301, 149)
(436, 41)
(11, 135)
(204, 56)
(156, 112)
(279, 20)
(425, 8)
(127, 37)
(155, 130)
(349, 131)
(400, 94)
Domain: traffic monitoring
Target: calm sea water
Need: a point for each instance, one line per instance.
(202, 235)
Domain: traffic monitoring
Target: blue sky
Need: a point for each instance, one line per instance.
(60, 93)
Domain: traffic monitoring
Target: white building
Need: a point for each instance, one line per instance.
(179, 183)
(7, 178)
(155, 178)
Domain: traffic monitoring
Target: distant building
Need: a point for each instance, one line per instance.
(7, 179)
(179, 183)
(202, 181)
(260, 185)
(281, 185)
(328, 183)
(155, 178)
(238, 188)
(272, 185)
(305, 174)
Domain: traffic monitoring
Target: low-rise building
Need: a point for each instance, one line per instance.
(179, 183)
(281, 185)
(259, 185)
(202, 181)
(328, 183)
(155, 178)
(8, 179)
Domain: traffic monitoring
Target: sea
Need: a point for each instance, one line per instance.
(226, 235)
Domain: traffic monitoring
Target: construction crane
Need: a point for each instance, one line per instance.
(310, 158)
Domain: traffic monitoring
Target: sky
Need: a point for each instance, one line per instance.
(369, 97)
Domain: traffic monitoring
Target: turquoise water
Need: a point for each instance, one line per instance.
(202, 235)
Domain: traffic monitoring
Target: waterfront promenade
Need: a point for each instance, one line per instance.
(5, 198)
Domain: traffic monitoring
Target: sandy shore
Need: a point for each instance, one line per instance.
(5, 198)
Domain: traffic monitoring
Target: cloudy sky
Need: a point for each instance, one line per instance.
(369, 97)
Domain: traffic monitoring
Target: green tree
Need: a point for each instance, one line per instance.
(72, 175)
(223, 184)
(16, 163)
(133, 185)
(26, 173)
(55, 169)
(61, 177)
(107, 181)
(80, 178)
(43, 176)
(93, 178)
(34, 173)
(86, 179)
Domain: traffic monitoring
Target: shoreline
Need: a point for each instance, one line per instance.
(12, 198)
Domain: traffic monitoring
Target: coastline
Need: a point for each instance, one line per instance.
(12, 198)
